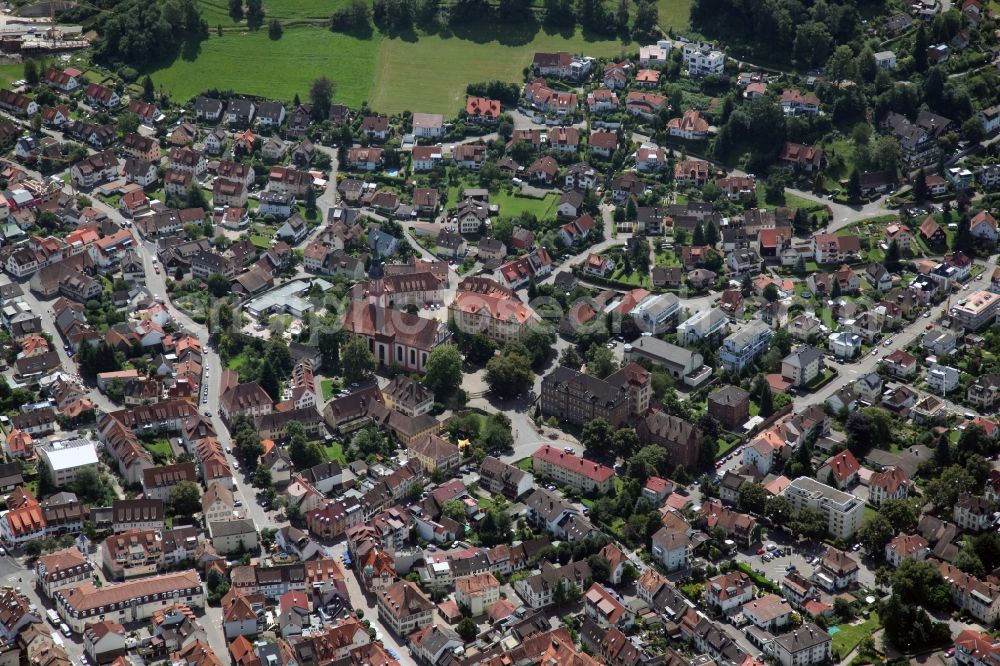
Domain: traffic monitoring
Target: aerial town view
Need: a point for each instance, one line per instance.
(499, 332)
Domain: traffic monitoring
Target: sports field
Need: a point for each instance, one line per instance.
(420, 72)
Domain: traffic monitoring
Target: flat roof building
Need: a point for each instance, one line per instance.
(843, 511)
(67, 458)
(976, 311)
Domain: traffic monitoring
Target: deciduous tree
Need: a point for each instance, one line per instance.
(356, 360)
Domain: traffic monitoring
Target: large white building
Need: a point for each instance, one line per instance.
(67, 458)
(843, 511)
(977, 310)
(942, 379)
(740, 348)
(703, 59)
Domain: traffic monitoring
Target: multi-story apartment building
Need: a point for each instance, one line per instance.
(984, 392)
(132, 601)
(972, 513)
(137, 514)
(730, 406)
(803, 646)
(501, 318)
(976, 311)
(159, 482)
(843, 511)
(404, 608)
(906, 546)
(638, 383)
(976, 648)
(741, 348)
(576, 397)
(942, 379)
(500, 478)
(477, 592)
(132, 554)
(569, 469)
(728, 591)
(434, 453)
(671, 548)
(63, 568)
(656, 313)
(702, 59)
(538, 590)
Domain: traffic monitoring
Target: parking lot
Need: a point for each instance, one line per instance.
(805, 558)
(775, 564)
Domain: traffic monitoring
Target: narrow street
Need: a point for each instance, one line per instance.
(367, 603)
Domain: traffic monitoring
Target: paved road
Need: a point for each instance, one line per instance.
(156, 284)
(844, 215)
(850, 372)
(367, 603)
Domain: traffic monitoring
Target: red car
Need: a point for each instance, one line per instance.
(760, 551)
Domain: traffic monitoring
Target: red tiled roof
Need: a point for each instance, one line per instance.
(568, 461)
(843, 465)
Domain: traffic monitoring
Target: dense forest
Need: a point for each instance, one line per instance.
(628, 20)
(138, 34)
(782, 30)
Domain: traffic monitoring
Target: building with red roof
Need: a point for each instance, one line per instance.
(570, 469)
(656, 490)
(843, 466)
(482, 110)
(605, 609)
(889, 484)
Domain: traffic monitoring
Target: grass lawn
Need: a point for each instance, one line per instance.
(430, 74)
(795, 201)
(420, 72)
(216, 12)
(335, 451)
(869, 512)
(11, 73)
(674, 14)
(635, 278)
(260, 241)
(160, 448)
(287, 66)
(726, 447)
(826, 316)
(667, 258)
(850, 635)
(513, 205)
(330, 388)
(525, 464)
(243, 364)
